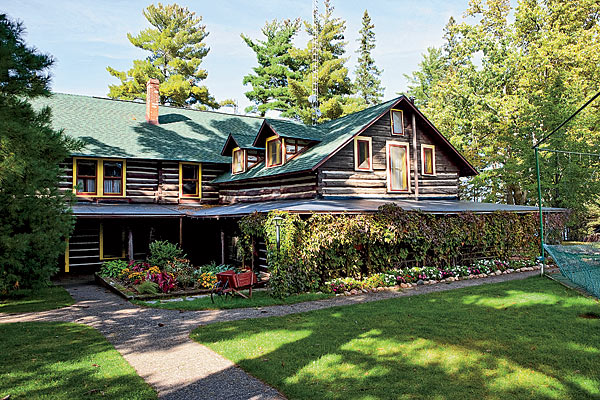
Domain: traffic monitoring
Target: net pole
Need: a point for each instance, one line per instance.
(539, 188)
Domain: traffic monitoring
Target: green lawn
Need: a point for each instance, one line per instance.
(259, 299)
(53, 360)
(522, 339)
(26, 300)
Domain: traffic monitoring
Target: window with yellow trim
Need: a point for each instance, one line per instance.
(238, 163)
(397, 117)
(189, 180)
(86, 177)
(398, 169)
(363, 159)
(274, 150)
(113, 178)
(99, 177)
(428, 159)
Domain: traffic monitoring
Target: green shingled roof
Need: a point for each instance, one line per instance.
(113, 128)
(295, 130)
(333, 135)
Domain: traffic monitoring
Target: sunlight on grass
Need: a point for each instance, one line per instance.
(27, 300)
(513, 340)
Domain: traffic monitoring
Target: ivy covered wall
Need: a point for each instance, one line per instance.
(326, 246)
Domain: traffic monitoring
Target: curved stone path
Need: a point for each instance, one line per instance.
(156, 342)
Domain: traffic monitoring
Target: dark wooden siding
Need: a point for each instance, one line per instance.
(337, 176)
(153, 181)
(299, 186)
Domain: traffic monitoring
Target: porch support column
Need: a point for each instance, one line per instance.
(222, 246)
(416, 155)
(130, 244)
(181, 232)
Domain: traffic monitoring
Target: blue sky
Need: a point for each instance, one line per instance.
(86, 36)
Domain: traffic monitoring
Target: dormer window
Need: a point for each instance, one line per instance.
(274, 146)
(397, 117)
(238, 162)
(293, 147)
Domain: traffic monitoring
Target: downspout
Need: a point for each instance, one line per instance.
(415, 157)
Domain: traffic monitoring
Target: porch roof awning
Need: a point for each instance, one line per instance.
(309, 206)
(124, 210)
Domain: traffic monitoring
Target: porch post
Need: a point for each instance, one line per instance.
(416, 156)
(181, 232)
(130, 244)
(222, 246)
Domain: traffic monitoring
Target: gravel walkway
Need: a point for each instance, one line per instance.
(156, 342)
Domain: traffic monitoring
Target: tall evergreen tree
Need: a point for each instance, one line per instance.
(367, 83)
(176, 46)
(275, 67)
(335, 86)
(34, 221)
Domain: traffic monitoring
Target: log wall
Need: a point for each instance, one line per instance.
(299, 186)
(153, 181)
(337, 176)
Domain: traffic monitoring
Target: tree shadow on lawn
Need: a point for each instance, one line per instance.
(492, 341)
(64, 360)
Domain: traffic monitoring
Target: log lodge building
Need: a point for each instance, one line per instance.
(187, 176)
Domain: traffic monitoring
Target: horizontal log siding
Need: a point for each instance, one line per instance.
(337, 177)
(152, 181)
(278, 188)
(84, 247)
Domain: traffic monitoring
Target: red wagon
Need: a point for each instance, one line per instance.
(230, 283)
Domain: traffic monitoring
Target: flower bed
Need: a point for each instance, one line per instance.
(166, 272)
(409, 277)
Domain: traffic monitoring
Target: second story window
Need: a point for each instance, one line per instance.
(363, 154)
(274, 147)
(189, 180)
(113, 178)
(238, 163)
(427, 159)
(397, 117)
(87, 177)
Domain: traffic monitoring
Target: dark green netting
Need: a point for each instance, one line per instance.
(579, 263)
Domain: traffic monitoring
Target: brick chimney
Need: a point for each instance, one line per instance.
(152, 99)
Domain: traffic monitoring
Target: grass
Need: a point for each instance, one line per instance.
(26, 300)
(514, 340)
(54, 360)
(259, 299)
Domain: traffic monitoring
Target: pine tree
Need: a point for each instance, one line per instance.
(33, 219)
(335, 86)
(275, 66)
(368, 85)
(176, 46)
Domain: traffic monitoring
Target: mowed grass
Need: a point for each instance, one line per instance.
(259, 299)
(53, 360)
(26, 300)
(522, 339)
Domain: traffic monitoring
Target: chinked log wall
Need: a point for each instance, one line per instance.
(280, 188)
(337, 176)
(155, 181)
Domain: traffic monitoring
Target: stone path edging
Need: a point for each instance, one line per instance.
(156, 341)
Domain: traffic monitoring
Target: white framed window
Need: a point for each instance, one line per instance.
(238, 162)
(363, 153)
(398, 166)
(428, 159)
(397, 122)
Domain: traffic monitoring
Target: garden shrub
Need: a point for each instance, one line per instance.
(162, 252)
(324, 246)
(147, 287)
(183, 270)
(113, 268)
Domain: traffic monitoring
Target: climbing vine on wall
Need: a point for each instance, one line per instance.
(326, 246)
